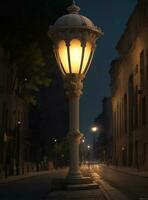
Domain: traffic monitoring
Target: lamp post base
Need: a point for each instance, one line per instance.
(76, 180)
(74, 177)
(83, 183)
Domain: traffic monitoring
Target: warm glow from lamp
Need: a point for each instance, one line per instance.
(75, 59)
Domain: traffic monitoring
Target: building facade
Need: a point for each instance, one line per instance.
(129, 85)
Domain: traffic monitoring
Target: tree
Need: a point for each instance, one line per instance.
(25, 40)
(61, 152)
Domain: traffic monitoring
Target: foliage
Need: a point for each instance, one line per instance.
(61, 149)
(26, 41)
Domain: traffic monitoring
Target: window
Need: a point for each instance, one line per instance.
(125, 113)
(115, 127)
(144, 110)
(136, 107)
(136, 154)
(118, 120)
(142, 77)
(147, 69)
(144, 153)
(131, 105)
(4, 117)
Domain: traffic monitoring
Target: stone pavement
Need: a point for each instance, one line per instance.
(128, 170)
(110, 192)
(93, 194)
(127, 183)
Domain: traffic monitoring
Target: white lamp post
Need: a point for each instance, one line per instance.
(74, 38)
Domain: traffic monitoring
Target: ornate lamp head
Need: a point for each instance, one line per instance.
(74, 37)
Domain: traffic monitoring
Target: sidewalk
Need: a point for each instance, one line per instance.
(16, 178)
(128, 170)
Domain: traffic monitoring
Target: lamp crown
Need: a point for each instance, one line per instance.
(73, 9)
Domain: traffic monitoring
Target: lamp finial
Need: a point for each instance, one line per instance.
(73, 9)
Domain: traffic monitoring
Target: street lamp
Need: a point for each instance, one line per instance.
(74, 38)
(55, 140)
(56, 152)
(94, 129)
(88, 153)
(83, 150)
(88, 147)
(83, 140)
(19, 123)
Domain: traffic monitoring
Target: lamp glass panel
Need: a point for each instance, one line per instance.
(75, 55)
(63, 55)
(86, 56)
(58, 61)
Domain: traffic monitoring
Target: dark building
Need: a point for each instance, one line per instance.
(14, 132)
(129, 85)
(104, 139)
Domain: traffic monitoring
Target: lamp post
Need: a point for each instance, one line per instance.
(94, 129)
(83, 150)
(88, 153)
(18, 153)
(56, 152)
(74, 38)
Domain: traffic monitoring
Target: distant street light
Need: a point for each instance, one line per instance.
(88, 152)
(83, 150)
(94, 129)
(74, 37)
(18, 153)
(83, 140)
(88, 147)
(56, 152)
(55, 140)
(123, 148)
(19, 122)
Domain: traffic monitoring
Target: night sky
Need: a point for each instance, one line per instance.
(111, 16)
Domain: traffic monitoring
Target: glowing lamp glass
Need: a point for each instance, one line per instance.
(74, 58)
(75, 55)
